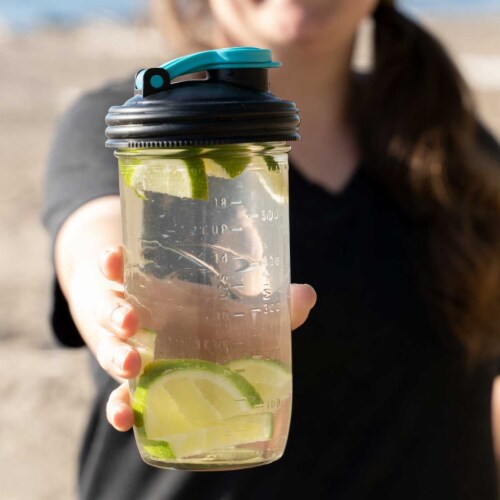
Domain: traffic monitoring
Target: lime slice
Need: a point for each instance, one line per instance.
(272, 379)
(181, 178)
(179, 396)
(158, 449)
(275, 183)
(144, 342)
(227, 168)
(242, 429)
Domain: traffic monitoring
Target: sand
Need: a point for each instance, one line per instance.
(45, 390)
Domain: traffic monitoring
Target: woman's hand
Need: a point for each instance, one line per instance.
(115, 315)
(121, 322)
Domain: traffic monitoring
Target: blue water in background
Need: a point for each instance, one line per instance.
(25, 15)
(452, 6)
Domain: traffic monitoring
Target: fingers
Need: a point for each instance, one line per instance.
(118, 320)
(118, 410)
(303, 298)
(116, 315)
(111, 263)
(118, 358)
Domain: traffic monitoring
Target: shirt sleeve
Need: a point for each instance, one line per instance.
(79, 169)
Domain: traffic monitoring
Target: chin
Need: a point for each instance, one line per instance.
(300, 40)
(296, 28)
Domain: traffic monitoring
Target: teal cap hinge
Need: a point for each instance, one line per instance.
(153, 80)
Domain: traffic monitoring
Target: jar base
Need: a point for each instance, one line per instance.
(219, 460)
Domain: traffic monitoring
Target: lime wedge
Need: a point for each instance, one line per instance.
(275, 183)
(271, 379)
(227, 168)
(242, 429)
(181, 178)
(158, 449)
(144, 342)
(179, 396)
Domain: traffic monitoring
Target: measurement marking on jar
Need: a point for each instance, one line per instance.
(236, 229)
(238, 315)
(257, 310)
(253, 216)
(269, 215)
(236, 202)
(238, 286)
(249, 267)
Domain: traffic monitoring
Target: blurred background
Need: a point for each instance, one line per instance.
(51, 52)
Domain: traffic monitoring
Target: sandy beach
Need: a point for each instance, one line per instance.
(45, 390)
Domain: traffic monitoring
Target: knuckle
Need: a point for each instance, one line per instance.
(104, 308)
(114, 395)
(104, 352)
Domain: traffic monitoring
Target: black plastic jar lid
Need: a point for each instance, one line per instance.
(233, 105)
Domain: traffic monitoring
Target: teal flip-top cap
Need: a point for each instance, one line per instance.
(229, 58)
(232, 104)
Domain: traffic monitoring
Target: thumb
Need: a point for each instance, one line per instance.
(303, 298)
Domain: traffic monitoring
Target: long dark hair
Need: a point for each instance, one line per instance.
(417, 129)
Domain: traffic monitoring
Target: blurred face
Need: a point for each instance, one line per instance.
(289, 24)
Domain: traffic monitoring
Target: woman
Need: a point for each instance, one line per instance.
(395, 209)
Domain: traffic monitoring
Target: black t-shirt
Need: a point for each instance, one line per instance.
(384, 406)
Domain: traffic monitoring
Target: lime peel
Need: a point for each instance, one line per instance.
(271, 378)
(160, 450)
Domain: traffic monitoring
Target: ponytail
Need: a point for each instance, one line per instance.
(418, 133)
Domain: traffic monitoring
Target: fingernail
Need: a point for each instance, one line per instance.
(117, 417)
(120, 357)
(118, 315)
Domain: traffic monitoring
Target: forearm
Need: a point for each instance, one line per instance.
(86, 233)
